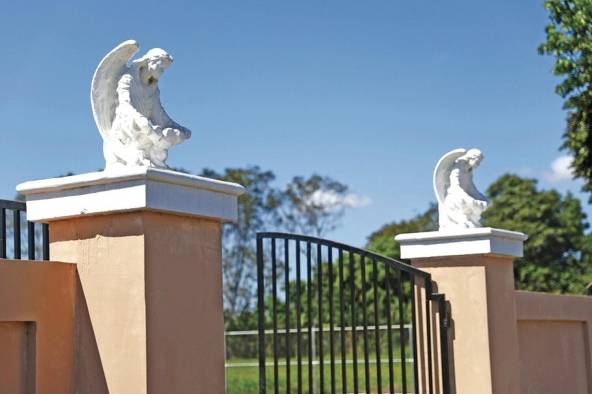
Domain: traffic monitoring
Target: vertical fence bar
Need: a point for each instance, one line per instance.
(414, 330)
(287, 309)
(298, 320)
(309, 316)
(354, 321)
(31, 240)
(17, 233)
(261, 315)
(444, 344)
(365, 320)
(45, 240)
(389, 328)
(331, 323)
(402, 332)
(429, 291)
(274, 308)
(342, 324)
(320, 304)
(376, 325)
(2, 233)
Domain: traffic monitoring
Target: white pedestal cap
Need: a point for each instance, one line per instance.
(130, 189)
(484, 240)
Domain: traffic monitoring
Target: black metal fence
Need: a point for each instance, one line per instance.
(335, 318)
(14, 229)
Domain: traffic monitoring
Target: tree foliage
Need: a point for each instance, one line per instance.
(557, 253)
(307, 205)
(569, 40)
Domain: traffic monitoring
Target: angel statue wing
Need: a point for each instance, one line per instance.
(442, 173)
(103, 94)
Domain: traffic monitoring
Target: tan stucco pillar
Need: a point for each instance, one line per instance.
(147, 244)
(474, 269)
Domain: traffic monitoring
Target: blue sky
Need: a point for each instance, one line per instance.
(370, 93)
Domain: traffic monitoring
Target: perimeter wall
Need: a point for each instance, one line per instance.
(554, 335)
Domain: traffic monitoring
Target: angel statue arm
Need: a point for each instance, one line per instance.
(474, 192)
(141, 123)
(170, 128)
(161, 124)
(466, 190)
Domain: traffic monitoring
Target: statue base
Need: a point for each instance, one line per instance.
(461, 242)
(130, 189)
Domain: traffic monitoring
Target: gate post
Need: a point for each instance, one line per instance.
(474, 269)
(147, 244)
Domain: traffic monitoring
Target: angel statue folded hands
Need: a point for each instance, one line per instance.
(125, 99)
(460, 204)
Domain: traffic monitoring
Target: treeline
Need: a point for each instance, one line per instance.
(557, 256)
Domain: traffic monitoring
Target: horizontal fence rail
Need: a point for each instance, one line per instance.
(338, 319)
(240, 356)
(14, 228)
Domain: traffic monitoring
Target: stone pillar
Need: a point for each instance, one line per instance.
(474, 269)
(147, 244)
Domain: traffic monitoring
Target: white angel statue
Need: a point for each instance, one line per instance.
(460, 204)
(126, 106)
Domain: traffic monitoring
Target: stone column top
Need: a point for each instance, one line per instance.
(460, 242)
(129, 189)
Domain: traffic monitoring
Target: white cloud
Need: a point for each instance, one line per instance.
(560, 170)
(332, 200)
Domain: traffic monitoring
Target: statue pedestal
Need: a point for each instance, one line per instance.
(147, 244)
(474, 269)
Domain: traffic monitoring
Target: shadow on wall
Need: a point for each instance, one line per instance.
(89, 374)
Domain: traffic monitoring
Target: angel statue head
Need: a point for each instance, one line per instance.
(472, 158)
(460, 204)
(126, 105)
(153, 64)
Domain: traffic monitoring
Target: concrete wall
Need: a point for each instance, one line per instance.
(37, 327)
(555, 342)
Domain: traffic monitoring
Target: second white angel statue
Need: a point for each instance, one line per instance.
(460, 204)
(126, 105)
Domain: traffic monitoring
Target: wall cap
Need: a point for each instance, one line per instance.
(130, 189)
(483, 240)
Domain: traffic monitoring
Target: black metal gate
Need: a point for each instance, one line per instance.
(335, 318)
(12, 233)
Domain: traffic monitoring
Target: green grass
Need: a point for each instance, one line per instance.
(245, 380)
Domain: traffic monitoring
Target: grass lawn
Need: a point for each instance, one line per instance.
(245, 380)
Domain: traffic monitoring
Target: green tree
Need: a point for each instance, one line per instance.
(557, 253)
(257, 211)
(569, 40)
